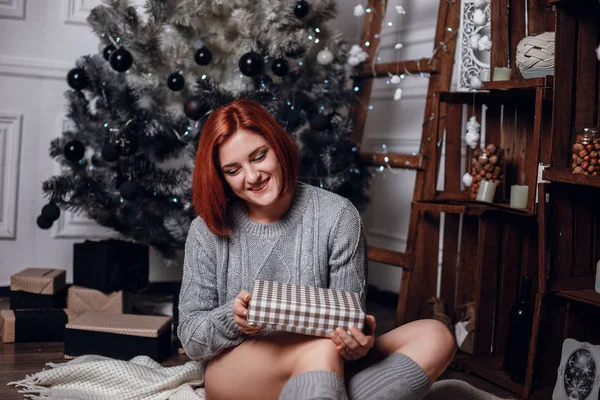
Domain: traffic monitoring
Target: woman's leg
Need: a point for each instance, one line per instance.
(405, 362)
(259, 368)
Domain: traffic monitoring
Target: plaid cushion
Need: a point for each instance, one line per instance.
(303, 309)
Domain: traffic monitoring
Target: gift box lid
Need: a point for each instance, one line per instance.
(315, 310)
(83, 299)
(151, 326)
(39, 280)
(8, 321)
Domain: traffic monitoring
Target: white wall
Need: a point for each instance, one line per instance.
(40, 41)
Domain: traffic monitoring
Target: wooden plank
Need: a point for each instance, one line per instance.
(386, 256)
(587, 296)
(500, 29)
(532, 160)
(488, 258)
(404, 161)
(537, 16)
(517, 19)
(586, 81)
(422, 65)
(543, 248)
(449, 262)
(490, 368)
(583, 237)
(533, 345)
(519, 83)
(465, 292)
(564, 73)
(371, 27)
(572, 283)
(453, 142)
(430, 257)
(562, 236)
(565, 175)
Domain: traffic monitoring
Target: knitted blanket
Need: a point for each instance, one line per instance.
(98, 378)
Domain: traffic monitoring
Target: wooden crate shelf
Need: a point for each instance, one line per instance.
(587, 296)
(546, 82)
(490, 368)
(564, 175)
(468, 207)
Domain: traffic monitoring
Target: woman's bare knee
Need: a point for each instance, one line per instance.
(318, 354)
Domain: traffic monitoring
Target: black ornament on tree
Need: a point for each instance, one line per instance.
(293, 117)
(43, 223)
(319, 122)
(108, 50)
(194, 108)
(203, 56)
(50, 212)
(125, 143)
(77, 78)
(109, 153)
(280, 67)
(74, 150)
(251, 64)
(128, 190)
(175, 82)
(121, 60)
(301, 9)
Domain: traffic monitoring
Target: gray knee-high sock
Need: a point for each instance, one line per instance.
(397, 377)
(314, 385)
(452, 389)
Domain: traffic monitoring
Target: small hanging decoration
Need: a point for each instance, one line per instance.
(194, 108)
(128, 190)
(251, 64)
(398, 46)
(479, 17)
(50, 212)
(467, 179)
(301, 9)
(398, 94)
(280, 67)
(359, 10)
(472, 135)
(400, 10)
(325, 57)
(109, 152)
(108, 50)
(480, 3)
(77, 78)
(475, 82)
(395, 79)
(43, 223)
(319, 122)
(484, 44)
(175, 82)
(121, 60)
(74, 150)
(357, 55)
(293, 117)
(125, 143)
(203, 56)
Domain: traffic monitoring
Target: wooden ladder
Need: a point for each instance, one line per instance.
(426, 161)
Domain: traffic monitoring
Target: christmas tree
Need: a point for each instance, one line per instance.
(137, 107)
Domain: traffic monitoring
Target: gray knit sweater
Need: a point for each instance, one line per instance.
(319, 242)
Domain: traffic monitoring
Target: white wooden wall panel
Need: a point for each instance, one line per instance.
(10, 151)
(13, 9)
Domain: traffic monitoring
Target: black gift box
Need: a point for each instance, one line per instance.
(20, 300)
(110, 265)
(34, 325)
(38, 288)
(121, 336)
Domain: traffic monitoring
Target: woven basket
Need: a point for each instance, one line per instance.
(535, 55)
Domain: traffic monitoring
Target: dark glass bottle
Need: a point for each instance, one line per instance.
(519, 332)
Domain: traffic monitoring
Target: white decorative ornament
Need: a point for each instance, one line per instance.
(398, 46)
(355, 50)
(479, 17)
(471, 138)
(475, 41)
(395, 79)
(598, 52)
(400, 10)
(398, 94)
(354, 61)
(359, 10)
(357, 55)
(467, 179)
(473, 124)
(476, 82)
(485, 43)
(480, 3)
(325, 57)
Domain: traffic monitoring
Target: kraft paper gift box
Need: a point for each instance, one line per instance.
(110, 265)
(34, 325)
(81, 299)
(303, 309)
(121, 336)
(38, 288)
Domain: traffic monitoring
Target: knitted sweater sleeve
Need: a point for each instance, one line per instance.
(347, 253)
(205, 327)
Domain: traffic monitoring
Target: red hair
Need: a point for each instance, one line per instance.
(209, 189)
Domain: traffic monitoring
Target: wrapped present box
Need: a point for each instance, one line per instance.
(121, 336)
(110, 265)
(81, 299)
(303, 309)
(34, 325)
(38, 288)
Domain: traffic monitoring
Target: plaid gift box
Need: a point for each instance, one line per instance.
(303, 309)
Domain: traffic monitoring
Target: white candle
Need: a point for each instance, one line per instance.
(518, 196)
(487, 191)
(484, 75)
(501, 74)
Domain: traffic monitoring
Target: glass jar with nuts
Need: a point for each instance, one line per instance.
(486, 164)
(585, 151)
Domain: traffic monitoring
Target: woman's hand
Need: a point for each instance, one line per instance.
(240, 313)
(357, 344)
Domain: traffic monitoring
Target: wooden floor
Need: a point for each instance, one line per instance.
(20, 359)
